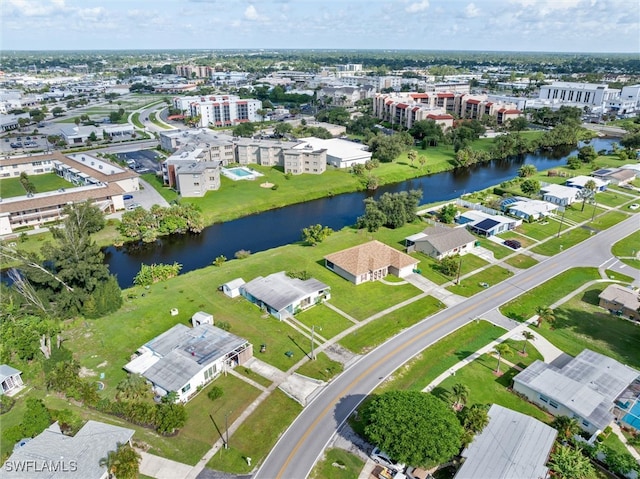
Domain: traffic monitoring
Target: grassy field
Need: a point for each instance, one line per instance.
(158, 123)
(322, 368)
(539, 231)
(612, 198)
(522, 261)
(156, 181)
(581, 323)
(328, 323)
(379, 330)
(524, 306)
(429, 268)
(271, 419)
(471, 285)
(135, 119)
(525, 241)
(11, 187)
(499, 252)
(565, 241)
(337, 464)
(486, 388)
(440, 356)
(627, 248)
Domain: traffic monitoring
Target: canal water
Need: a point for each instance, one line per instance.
(282, 226)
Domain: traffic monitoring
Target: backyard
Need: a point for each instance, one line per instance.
(11, 187)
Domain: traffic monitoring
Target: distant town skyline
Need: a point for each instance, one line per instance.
(492, 25)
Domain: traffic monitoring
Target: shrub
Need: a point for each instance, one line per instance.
(300, 274)
(274, 187)
(242, 254)
(224, 325)
(6, 403)
(215, 392)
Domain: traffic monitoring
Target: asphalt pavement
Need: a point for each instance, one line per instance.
(304, 441)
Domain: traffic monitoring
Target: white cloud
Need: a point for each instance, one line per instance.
(251, 13)
(32, 8)
(471, 11)
(418, 6)
(91, 14)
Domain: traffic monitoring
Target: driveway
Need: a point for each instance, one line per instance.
(147, 196)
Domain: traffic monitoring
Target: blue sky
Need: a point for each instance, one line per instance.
(517, 25)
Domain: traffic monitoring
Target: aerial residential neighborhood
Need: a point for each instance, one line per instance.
(287, 240)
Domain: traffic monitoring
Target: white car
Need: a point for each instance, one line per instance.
(381, 457)
(634, 206)
(133, 206)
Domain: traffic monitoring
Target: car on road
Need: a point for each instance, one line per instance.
(127, 197)
(133, 206)
(381, 457)
(634, 206)
(513, 244)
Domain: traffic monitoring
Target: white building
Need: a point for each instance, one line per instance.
(559, 194)
(579, 94)
(340, 153)
(219, 110)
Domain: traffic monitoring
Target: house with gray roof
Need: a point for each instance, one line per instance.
(440, 241)
(621, 300)
(511, 446)
(53, 455)
(182, 359)
(10, 380)
(586, 388)
(282, 296)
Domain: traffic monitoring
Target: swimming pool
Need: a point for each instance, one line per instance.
(632, 418)
(240, 173)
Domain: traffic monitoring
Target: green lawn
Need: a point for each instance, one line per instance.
(627, 248)
(540, 230)
(524, 240)
(156, 181)
(581, 324)
(135, 119)
(11, 187)
(524, 306)
(612, 198)
(471, 285)
(158, 123)
(607, 220)
(577, 214)
(378, 331)
(565, 241)
(328, 323)
(499, 252)
(487, 388)
(614, 275)
(429, 268)
(322, 368)
(337, 464)
(248, 373)
(257, 435)
(440, 356)
(522, 261)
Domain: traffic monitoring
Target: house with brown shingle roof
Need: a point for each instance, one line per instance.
(369, 262)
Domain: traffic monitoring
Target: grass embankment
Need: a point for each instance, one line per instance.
(11, 187)
(524, 306)
(160, 124)
(135, 119)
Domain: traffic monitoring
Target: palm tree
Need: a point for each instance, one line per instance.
(133, 387)
(502, 349)
(569, 463)
(527, 170)
(460, 394)
(545, 314)
(588, 192)
(528, 336)
(123, 463)
(412, 155)
(567, 426)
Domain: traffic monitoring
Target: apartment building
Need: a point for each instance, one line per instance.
(194, 71)
(219, 110)
(295, 157)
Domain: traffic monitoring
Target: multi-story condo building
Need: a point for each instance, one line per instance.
(219, 110)
(194, 71)
(295, 157)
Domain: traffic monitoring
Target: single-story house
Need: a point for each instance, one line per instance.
(283, 296)
(615, 176)
(511, 446)
(486, 224)
(182, 359)
(369, 262)
(559, 194)
(581, 181)
(440, 241)
(586, 388)
(55, 455)
(528, 210)
(10, 380)
(232, 288)
(621, 300)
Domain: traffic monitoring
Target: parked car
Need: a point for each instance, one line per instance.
(127, 197)
(133, 206)
(634, 206)
(381, 457)
(513, 244)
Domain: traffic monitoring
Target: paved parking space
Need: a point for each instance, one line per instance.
(161, 468)
(146, 196)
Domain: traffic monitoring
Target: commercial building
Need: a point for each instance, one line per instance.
(339, 153)
(591, 95)
(219, 110)
(76, 135)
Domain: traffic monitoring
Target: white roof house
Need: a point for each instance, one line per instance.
(512, 446)
(232, 288)
(585, 388)
(559, 194)
(340, 153)
(581, 181)
(530, 210)
(75, 457)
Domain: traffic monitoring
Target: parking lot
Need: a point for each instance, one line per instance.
(23, 143)
(145, 160)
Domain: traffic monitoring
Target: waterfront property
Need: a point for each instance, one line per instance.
(528, 210)
(182, 359)
(10, 380)
(440, 241)
(59, 455)
(585, 388)
(282, 296)
(195, 179)
(512, 446)
(560, 195)
(369, 262)
(340, 153)
(615, 176)
(582, 180)
(621, 300)
(232, 288)
(486, 224)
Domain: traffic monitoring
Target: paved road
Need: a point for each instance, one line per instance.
(297, 450)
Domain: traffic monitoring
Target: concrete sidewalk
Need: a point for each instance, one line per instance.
(161, 468)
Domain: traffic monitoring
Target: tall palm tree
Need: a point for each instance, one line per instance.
(545, 314)
(567, 426)
(460, 394)
(502, 349)
(528, 336)
(123, 463)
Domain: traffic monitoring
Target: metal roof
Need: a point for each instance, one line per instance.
(512, 446)
(7, 371)
(279, 291)
(486, 225)
(86, 448)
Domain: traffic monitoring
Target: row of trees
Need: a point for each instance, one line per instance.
(148, 225)
(392, 210)
(154, 273)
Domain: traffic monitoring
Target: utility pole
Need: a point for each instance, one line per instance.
(226, 427)
(561, 221)
(313, 353)
(459, 268)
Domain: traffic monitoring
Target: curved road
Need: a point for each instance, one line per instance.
(299, 447)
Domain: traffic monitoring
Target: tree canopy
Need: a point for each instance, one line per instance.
(413, 427)
(392, 210)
